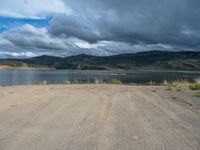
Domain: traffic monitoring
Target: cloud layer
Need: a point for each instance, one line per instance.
(32, 8)
(103, 27)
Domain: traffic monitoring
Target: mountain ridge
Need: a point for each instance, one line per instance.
(151, 60)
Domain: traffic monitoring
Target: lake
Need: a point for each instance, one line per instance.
(24, 77)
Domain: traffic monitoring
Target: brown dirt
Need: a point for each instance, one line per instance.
(103, 117)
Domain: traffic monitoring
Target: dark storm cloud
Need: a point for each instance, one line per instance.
(67, 26)
(175, 22)
(28, 36)
(106, 27)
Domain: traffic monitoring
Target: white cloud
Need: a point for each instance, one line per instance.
(104, 48)
(29, 41)
(17, 54)
(83, 44)
(28, 36)
(32, 8)
(4, 42)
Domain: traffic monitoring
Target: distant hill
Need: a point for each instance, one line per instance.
(152, 60)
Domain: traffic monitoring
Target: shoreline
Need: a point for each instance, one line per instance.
(128, 71)
(23, 68)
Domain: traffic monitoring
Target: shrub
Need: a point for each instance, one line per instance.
(67, 82)
(98, 81)
(194, 86)
(175, 87)
(116, 81)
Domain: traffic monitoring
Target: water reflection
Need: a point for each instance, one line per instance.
(21, 77)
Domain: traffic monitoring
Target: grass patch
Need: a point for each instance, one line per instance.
(176, 86)
(95, 81)
(169, 87)
(179, 88)
(197, 94)
(194, 86)
(116, 81)
(43, 82)
(67, 82)
(152, 83)
(98, 81)
(181, 85)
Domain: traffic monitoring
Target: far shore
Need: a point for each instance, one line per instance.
(47, 68)
(24, 68)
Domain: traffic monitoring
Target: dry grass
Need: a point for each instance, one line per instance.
(177, 86)
(67, 82)
(116, 81)
(98, 81)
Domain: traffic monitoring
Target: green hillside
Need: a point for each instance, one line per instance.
(153, 60)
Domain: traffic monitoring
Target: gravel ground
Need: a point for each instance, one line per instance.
(103, 117)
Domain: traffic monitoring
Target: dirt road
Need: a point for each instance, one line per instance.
(103, 117)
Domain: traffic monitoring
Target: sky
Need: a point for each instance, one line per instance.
(97, 27)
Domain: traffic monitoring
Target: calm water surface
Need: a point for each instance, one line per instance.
(23, 77)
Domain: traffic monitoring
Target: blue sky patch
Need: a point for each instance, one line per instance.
(6, 22)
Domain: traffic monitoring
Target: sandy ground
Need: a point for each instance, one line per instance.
(4, 67)
(103, 117)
